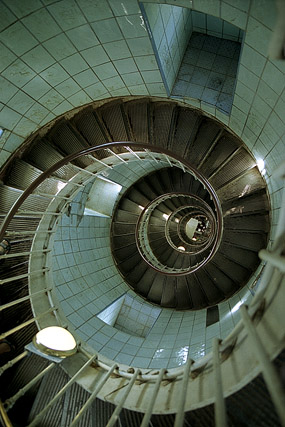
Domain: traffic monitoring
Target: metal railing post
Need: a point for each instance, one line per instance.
(9, 403)
(112, 421)
(89, 402)
(270, 375)
(179, 419)
(220, 406)
(61, 392)
(13, 361)
(148, 413)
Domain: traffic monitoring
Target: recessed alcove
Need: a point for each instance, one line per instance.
(198, 54)
(129, 315)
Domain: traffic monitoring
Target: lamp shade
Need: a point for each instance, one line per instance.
(55, 341)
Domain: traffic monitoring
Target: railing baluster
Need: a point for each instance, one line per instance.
(132, 152)
(119, 407)
(89, 402)
(151, 155)
(94, 159)
(182, 166)
(270, 375)
(85, 170)
(18, 301)
(13, 361)
(28, 322)
(220, 407)
(61, 392)
(148, 414)
(167, 158)
(22, 276)
(9, 403)
(179, 419)
(116, 155)
(15, 255)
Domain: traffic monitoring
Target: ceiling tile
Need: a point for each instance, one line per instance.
(22, 8)
(59, 47)
(7, 90)
(86, 78)
(117, 50)
(67, 88)
(127, 7)
(15, 33)
(95, 10)
(8, 118)
(38, 59)
(107, 30)
(37, 87)
(132, 26)
(19, 73)
(37, 112)
(140, 46)
(95, 56)
(67, 14)
(132, 79)
(105, 71)
(21, 102)
(74, 64)
(54, 74)
(51, 99)
(7, 17)
(82, 37)
(125, 65)
(42, 25)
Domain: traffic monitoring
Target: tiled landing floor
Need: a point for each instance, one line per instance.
(208, 71)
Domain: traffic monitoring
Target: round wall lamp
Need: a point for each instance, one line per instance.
(55, 341)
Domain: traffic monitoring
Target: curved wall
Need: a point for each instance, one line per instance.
(87, 281)
(70, 56)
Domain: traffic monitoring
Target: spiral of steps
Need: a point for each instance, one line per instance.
(219, 156)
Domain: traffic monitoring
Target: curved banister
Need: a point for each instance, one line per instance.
(154, 203)
(226, 342)
(71, 157)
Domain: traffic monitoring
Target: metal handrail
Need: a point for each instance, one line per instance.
(71, 157)
(181, 371)
(145, 215)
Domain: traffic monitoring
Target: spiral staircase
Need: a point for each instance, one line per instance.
(213, 181)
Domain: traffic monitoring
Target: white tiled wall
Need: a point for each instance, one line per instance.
(171, 28)
(64, 63)
(136, 317)
(110, 314)
(217, 27)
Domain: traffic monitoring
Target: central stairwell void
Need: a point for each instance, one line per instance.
(192, 212)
